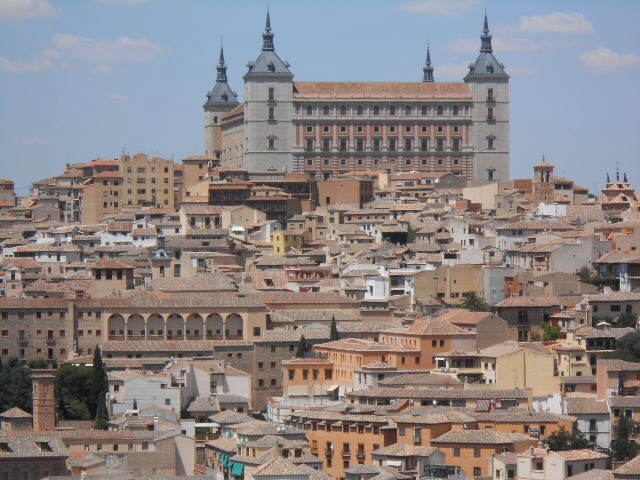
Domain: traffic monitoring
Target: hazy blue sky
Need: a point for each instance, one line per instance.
(81, 79)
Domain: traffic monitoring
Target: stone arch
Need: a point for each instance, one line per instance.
(135, 326)
(214, 327)
(193, 327)
(155, 326)
(116, 326)
(233, 326)
(175, 327)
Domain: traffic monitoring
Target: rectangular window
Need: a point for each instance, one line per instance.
(326, 144)
(272, 113)
(393, 144)
(272, 93)
(408, 144)
(440, 144)
(360, 144)
(377, 142)
(309, 146)
(272, 143)
(456, 451)
(424, 144)
(456, 145)
(343, 144)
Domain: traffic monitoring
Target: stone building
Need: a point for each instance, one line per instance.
(328, 128)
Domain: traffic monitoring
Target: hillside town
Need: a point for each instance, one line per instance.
(361, 294)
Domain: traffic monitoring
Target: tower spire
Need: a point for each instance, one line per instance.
(221, 68)
(428, 69)
(486, 36)
(267, 36)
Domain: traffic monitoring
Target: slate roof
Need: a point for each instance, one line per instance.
(27, 446)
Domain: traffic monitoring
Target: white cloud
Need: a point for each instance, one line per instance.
(32, 66)
(558, 22)
(33, 141)
(450, 71)
(116, 98)
(26, 9)
(123, 49)
(439, 8)
(604, 60)
(506, 44)
(68, 48)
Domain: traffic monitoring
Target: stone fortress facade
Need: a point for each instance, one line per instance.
(329, 128)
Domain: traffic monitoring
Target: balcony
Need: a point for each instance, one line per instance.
(328, 452)
(491, 99)
(346, 454)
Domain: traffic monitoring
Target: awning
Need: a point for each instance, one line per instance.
(237, 470)
(223, 459)
(332, 388)
(394, 463)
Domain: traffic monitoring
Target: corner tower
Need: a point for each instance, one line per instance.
(220, 100)
(268, 114)
(489, 84)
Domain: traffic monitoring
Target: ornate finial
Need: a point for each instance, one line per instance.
(221, 68)
(267, 36)
(486, 36)
(617, 172)
(428, 69)
(608, 179)
(625, 178)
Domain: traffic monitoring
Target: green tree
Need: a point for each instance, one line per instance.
(99, 389)
(135, 403)
(550, 332)
(73, 392)
(628, 347)
(627, 320)
(624, 447)
(474, 302)
(15, 386)
(333, 331)
(535, 337)
(102, 416)
(303, 347)
(564, 440)
(38, 363)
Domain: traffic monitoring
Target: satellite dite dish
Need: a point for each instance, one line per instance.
(601, 324)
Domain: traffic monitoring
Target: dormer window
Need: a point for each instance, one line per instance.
(224, 97)
(271, 67)
(489, 68)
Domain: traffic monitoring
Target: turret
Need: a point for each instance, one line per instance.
(427, 69)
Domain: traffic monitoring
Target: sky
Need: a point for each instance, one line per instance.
(96, 78)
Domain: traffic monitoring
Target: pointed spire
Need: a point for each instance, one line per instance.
(221, 68)
(428, 69)
(486, 36)
(625, 178)
(608, 179)
(267, 36)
